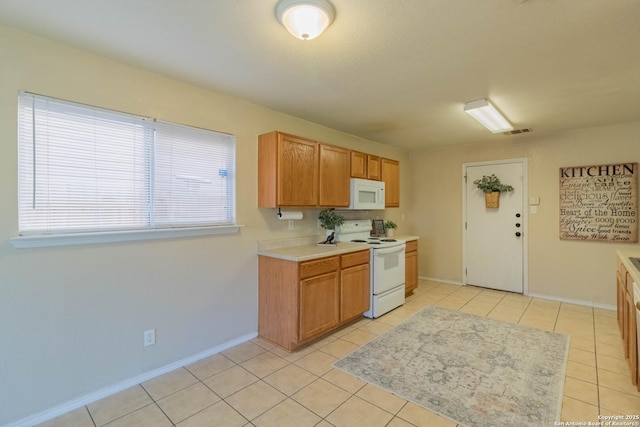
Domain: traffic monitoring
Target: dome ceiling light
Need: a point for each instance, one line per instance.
(305, 19)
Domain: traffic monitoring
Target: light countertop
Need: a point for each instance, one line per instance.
(308, 252)
(624, 255)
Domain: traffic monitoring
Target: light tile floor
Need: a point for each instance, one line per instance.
(258, 384)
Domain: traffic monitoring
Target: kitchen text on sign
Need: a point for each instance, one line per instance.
(599, 203)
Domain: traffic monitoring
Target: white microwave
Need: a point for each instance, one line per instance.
(366, 194)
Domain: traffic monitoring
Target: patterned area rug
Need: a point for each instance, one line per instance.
(473, 370)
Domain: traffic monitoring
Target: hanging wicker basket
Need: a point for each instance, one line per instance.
(492, 200)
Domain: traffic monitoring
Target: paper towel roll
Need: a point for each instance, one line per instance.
(290, 215)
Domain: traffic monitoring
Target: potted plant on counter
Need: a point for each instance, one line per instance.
(492, 187)
(390, 227)
(329, 218)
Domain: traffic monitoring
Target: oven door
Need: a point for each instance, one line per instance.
(387, 268)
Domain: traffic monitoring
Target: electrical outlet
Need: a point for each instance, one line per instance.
(149, 337)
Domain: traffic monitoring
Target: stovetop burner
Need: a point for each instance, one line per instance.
(358, 231)
(371, 241)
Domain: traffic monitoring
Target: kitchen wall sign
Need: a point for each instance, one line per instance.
(599, 203)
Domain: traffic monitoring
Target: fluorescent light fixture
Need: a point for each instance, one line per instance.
(305, 19)
(487, 115)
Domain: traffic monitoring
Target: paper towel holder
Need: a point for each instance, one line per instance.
(291, 215)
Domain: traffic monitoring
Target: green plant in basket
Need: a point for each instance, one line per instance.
(491, 183)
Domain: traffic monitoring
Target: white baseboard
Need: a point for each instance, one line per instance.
(576, 302)
(123, 385)
(541, 296)
(433, 279)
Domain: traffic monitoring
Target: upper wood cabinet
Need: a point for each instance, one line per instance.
(287, 170)
(390, 174)
(365, 166)
(373, 167)
(298, 172)
(334, 176)
(358, 165)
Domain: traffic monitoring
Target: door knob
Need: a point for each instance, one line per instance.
(518, 234)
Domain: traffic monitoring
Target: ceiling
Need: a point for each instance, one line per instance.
(392, 71)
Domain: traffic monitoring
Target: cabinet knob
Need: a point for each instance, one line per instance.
(518, 234)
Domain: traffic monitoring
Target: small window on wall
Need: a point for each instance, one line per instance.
(84, 169)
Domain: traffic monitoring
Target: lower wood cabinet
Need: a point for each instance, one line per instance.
(355, 294)
(411, 267)
(301, 301)
(627, 320)
(319, 304)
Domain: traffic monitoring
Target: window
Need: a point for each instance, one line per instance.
(85, 170)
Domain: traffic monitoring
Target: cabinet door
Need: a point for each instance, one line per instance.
(358, 165)
(319, 309)
(373, 167)
(297, 171)
(335, 167)
(632, 334)
(354, 291)
(410, 272)
(390, 173)
(621, 303)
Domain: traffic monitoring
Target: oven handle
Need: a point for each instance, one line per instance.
(390, 250)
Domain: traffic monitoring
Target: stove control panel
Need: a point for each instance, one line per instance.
(355, 226)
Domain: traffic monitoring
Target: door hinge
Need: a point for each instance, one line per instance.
(465, 272)
(465, 225)
(465, 179)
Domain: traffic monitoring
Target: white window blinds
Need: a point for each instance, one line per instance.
(86, 169)
(194, 176)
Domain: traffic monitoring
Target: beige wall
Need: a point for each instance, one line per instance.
(580, 271)
(72, 318)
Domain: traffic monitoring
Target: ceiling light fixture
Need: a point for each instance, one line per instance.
(487, 115)
(305, 19)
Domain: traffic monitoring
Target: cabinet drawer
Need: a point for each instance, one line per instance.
(412, 245)
(355, 258)
(319, 266)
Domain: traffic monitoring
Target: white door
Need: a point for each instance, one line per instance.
(494, 238)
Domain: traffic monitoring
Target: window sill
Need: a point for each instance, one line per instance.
(118, 236)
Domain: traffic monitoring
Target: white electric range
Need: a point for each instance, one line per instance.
(387, 265)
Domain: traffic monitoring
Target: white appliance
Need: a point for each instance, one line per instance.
(366, 194)
(387, 265)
